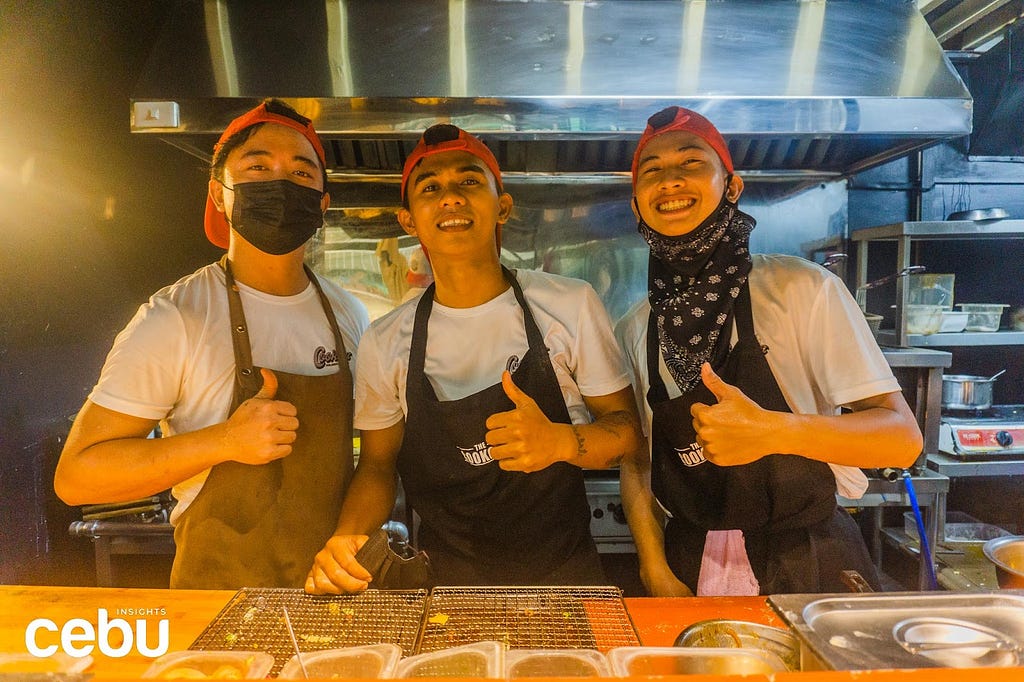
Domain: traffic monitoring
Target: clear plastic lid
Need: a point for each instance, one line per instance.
(26, 663)
(222, 665)
(556, 663)
(480, 659)
(630, 661)
(357, 662)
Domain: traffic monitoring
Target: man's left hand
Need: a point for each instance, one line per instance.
(734, 431)
(524, 439)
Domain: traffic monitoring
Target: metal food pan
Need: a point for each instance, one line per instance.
(528, 618)
(254, 620)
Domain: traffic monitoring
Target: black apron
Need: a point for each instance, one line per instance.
(479, 524)
(261, 526)
(797, 538)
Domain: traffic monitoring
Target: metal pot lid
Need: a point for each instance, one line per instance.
(980, 214)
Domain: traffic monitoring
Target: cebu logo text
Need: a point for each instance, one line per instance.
(78, 637)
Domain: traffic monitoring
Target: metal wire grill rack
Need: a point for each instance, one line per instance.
(254, 620)
(527, 618)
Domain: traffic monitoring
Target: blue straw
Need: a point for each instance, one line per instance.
(926, 551)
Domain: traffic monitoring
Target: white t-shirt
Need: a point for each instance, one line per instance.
(468, 348)
(822, 352)
(174, 362)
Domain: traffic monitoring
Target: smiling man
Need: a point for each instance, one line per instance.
(245, 366)
(742, 366)
(487, 394)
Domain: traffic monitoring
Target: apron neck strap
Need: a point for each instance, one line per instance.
(245, 372)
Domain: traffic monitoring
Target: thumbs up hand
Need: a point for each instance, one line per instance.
(524, 439)
(262, 429)
(734, 431)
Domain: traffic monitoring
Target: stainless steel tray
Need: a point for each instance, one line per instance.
(908, 630)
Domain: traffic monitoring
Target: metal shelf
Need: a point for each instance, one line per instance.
(956, 468)
(1000, 338)
(942, 229)
(903, 233)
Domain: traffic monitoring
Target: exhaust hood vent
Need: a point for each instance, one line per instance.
(802, 91)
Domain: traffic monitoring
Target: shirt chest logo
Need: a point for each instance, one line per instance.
(692, 455)
(324, 358)
(478, 455)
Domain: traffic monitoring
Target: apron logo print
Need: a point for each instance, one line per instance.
(324, 358)
(478, 455)
(692, 455)
(512, 364)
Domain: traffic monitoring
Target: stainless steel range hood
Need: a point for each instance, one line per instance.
(803, 91)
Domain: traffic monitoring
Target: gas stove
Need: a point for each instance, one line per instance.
(993, 433)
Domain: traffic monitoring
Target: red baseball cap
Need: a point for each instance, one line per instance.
(216, 224)
(675, 118)
(445, 137)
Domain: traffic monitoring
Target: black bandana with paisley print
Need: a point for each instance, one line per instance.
(693, 281)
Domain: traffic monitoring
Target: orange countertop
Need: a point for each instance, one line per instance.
(657, 621)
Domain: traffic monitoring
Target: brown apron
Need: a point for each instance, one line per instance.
(262, 525)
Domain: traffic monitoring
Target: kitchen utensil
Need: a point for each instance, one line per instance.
(924, 319)
(649, 661)
(967, 392)
(252, 620)
(983, 317)
(862, 631)
(993, 433)
(295, 645)
(528, 617)
(833, 259)
(357, 662)
(555, 663)
(955, 643)
(1007, 555)
(484, 659)
(953, 321)
(931, 289)
(861, 293)
(979, 214)
(211, 664)
(723, 633)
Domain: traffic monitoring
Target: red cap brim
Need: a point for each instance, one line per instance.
(214, 221)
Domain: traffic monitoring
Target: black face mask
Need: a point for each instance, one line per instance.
(276, 216)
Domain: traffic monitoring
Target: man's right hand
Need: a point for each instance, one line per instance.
(660, 581)
(262, 429)
(335, 569)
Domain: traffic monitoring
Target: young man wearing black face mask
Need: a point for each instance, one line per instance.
(738, 358)
(246, 364)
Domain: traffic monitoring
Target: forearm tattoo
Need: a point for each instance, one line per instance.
(581, 448)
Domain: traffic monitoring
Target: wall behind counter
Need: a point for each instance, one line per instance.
(94, 220)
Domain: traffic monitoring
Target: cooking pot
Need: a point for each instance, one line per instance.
(1007, 555)
(966, 392)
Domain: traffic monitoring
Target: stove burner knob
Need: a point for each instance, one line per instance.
(1004, 438)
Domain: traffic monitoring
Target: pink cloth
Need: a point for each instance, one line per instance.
(724, 567)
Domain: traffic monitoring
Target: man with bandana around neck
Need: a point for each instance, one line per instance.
(742, 364)
(246, 366)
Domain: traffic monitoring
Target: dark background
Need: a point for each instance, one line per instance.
(92, 221)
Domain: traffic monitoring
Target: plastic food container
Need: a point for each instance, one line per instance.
(931, 289)
(555, 663)
(357, 662)
(630, 661)
(953, 321)
(924, 319)
(27, 664)
(983, 317)
(480, 659)
(213, 665)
